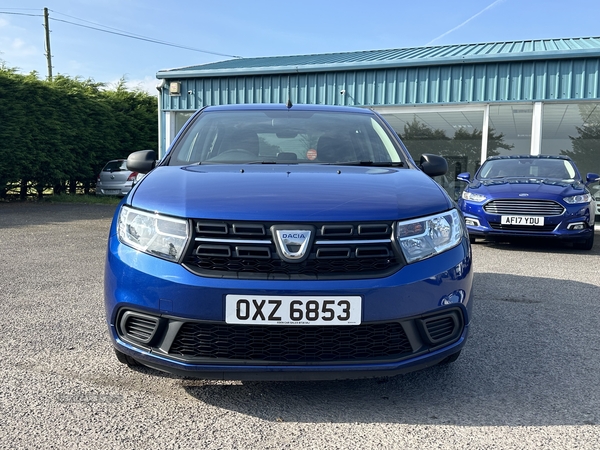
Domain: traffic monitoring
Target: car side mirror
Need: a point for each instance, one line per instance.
(592, 177)
(465, 176)
(142, 161)
(433, 165)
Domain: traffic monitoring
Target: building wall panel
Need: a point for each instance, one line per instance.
(571, 79)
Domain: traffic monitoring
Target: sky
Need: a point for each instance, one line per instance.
(90, 39)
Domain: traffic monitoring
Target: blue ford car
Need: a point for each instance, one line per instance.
(529, 196)
(287, 242)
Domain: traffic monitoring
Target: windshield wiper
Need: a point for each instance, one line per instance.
(272, 161)
(369, 163)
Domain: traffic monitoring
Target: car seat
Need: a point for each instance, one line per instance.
(333, 149)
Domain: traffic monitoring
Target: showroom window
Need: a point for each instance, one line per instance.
(510, 129)
(174, 122)
(573, 129)
(452, 133)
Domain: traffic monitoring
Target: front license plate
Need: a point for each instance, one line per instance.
(285, 310)
(534, 221)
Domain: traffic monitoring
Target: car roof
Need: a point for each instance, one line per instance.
(283, 107)
(563, 157)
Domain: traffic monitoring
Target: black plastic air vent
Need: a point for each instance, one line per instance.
(441, 327)
(373, 252)
(337, 230)
(333, 253)
(213, 250)
(138, 327)
(253, 252)
(373, 229)
(211, 228)
(248, 229)
(291, 344)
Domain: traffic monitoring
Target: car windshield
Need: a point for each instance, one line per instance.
(115, 166)
(285, 137)
(560, 169)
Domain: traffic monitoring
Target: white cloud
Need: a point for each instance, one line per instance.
(147, 84)
(465, 22)
(21, 47)
(16, 51)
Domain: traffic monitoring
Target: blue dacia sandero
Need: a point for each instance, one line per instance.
(287, 242)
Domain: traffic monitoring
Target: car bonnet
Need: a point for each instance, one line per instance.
(288, 193)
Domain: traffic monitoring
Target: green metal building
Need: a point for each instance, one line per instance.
(522, 97)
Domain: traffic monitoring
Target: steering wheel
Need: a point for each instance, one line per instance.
(234, 154)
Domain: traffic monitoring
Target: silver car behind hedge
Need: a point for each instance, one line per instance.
(115, 179)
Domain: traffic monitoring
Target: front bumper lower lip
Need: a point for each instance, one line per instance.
(566, 235)
(426, 342)
(294, 373)
(479, 226)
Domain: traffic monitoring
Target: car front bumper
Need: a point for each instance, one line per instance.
(414, 301)
(575, 224)
(118, 190)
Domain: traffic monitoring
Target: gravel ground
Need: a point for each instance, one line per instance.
(528, 378)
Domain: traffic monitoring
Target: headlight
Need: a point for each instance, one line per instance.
(585, 198)
(154, 234)
(466, 195)
(422, 238)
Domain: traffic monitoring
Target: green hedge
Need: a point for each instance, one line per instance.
(58, 134)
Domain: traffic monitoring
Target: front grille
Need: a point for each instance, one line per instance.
(291, 344)
(247, 250)
(200, 342)
(519, 207)
(527, 228)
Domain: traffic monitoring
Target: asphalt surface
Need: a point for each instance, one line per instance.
(528, 378)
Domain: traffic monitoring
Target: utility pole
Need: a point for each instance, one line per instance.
(48, 52)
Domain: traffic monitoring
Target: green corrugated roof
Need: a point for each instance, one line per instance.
(416, 56)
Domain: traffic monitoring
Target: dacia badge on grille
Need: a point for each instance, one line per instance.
(293, 242)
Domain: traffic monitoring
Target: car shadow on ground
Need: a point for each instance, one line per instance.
(532, 360)
(541, 245)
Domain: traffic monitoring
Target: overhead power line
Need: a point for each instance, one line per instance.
(20, 14)
(117, 32)
(147, 39)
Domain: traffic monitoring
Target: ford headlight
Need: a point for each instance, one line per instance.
(467, 195)
(575, 199)
(157, 235)
(422, 238)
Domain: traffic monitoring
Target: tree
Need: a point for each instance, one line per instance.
(468, 144)
(63, 131)
(585, 148)
(419, 139)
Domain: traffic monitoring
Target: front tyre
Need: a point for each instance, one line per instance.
(450, 359)
(126, 359)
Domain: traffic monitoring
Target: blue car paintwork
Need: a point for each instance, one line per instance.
(303, 193)
(531, 188)
(286, 193)
(171, 290)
